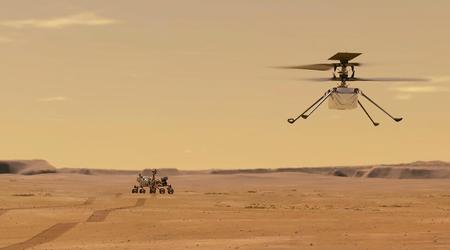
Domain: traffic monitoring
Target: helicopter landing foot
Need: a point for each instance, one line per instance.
(292, 120)
(365, 111)
(378, 106)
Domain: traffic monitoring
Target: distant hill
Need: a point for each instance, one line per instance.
(414, 170)
(162, 171)
(173, 171)
(94, 171)
(26, 167)
(423, 164)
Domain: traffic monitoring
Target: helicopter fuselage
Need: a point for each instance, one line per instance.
(342, 71)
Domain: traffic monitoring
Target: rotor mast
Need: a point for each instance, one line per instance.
(344, 58)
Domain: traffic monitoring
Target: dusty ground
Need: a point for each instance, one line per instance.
(259, 211)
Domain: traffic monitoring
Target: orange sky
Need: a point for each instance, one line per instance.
(188, 84)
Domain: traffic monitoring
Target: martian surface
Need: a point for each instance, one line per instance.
(276, 210)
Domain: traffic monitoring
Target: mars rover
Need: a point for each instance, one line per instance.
(154, 184)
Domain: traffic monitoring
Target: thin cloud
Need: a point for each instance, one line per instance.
(6, 39)
(403, 97)
(82, 19)
(420, 89)
(439, 79)
(54, 99)
(409, 92)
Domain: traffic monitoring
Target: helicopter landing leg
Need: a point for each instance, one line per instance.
(292, 120)
(365, 111)
(378, 106)
(327, 94)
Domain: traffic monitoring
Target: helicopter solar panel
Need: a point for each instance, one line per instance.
(344, 56)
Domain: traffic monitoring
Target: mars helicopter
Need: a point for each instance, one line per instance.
(343, 97)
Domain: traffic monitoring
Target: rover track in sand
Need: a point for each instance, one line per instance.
(154, 184)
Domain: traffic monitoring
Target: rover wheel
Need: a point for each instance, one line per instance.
(162, 191)
(170, 190)
(152, 190)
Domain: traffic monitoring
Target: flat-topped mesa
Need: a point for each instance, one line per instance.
(26, 167)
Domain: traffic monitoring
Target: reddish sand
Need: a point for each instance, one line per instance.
(242, 211)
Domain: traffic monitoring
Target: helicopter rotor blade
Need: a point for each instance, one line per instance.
(388, 79)
(322, 79)
(320, 66)
(381, 79)
(355, 64)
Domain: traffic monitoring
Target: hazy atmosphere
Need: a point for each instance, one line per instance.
(189, 84)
